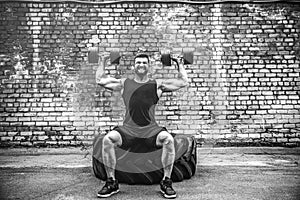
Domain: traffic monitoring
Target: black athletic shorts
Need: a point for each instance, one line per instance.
(129, 141)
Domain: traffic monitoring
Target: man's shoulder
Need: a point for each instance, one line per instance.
(158, 81)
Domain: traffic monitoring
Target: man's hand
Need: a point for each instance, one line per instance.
(103, 79)
(177, 58)
(103, 57)
(174, 84)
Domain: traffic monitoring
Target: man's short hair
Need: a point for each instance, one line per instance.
(142, 56)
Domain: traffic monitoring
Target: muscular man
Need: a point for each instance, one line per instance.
(140, 96)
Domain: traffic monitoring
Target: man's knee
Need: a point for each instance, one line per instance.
(165, 138)
(112, 138)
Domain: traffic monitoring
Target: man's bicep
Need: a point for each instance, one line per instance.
(113, 86)
(112, 83)
(169, 85)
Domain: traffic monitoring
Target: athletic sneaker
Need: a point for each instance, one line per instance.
(166, 189)
(111, 187)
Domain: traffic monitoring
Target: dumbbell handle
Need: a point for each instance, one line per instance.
(106, 58)
(104, 64)
(176, 61)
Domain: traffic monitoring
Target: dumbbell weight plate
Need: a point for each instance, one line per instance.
(115, 57)
(166, 59)
(188, 58)
(93, 55)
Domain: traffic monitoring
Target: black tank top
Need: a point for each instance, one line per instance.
(140, 100)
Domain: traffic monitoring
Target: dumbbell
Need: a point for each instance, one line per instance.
(187, 58)
(93, 56)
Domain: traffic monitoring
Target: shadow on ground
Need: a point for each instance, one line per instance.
(222, 173)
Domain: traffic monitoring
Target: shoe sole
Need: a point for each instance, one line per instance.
(107, 195)
(168, 196)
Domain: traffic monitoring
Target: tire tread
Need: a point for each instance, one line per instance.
(184, 168)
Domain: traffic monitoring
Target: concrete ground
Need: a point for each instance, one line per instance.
(222, 174)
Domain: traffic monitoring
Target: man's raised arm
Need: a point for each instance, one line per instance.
(168, 85)
(105, 80)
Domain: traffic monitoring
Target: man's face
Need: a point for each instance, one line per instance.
(141, 66)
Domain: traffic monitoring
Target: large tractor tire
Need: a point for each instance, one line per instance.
(141, 165)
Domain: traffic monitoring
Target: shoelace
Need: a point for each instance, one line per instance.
(109, 184)
(168, 184)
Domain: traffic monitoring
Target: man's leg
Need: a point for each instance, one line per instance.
(166, 140)
(110, 140)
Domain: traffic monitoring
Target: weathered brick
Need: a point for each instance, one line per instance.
(26, 133)
(244, 68)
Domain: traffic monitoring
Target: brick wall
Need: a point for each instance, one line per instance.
(244, 81)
